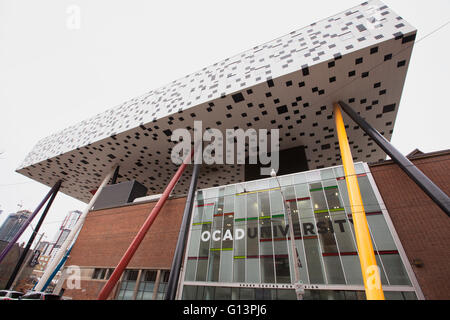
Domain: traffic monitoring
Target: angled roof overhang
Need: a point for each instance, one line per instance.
(360, 55)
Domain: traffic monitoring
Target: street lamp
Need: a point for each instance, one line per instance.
(298, 284)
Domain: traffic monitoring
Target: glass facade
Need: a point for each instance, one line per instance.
(240, 234)
(232, 293)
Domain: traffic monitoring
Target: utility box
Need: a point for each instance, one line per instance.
(118, 194)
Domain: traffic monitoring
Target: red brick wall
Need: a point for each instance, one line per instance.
(107, 233)
(423, 228)
(89, 290)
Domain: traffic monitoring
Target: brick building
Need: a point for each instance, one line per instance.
(420, 224)
(284, 226)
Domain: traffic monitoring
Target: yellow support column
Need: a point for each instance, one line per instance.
(369, 268)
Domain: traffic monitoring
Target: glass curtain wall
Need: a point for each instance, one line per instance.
(241, 234)
(223, 293)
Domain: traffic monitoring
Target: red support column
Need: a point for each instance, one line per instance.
(108, 287)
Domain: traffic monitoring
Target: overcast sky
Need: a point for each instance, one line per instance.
(53, 76)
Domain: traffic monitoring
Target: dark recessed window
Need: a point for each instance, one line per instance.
(401, 63)
(388, 57)
(409, 38)
(351, 73)
(332, 79)
(305, 70)
(389, 108)
(359, 60)
(361, 27)
(238, 97)
(398, 35)
(282, 109)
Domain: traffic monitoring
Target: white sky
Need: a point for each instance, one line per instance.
(52, 77)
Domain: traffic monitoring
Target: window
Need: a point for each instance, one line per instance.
(16, 295)
(109, 273)
(97, 273)
(143, 285)
(127, 285)
(162, 287)
(147, 285)
(101, 273)
(32, 296)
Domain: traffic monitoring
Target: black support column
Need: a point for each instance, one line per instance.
(115, 175)
(33, 236)
(428, 186)
(182, 238)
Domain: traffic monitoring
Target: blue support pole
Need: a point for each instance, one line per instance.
(60, 264)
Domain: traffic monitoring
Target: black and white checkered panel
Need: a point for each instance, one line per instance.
(360, 55)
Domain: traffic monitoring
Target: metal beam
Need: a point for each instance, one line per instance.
(116, 174)
(27, 223)
(428, 186)
(32, 237)
(369, 268)
(182, 237)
